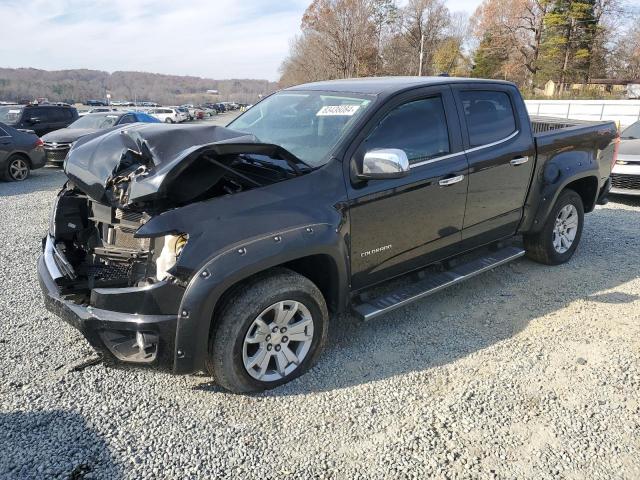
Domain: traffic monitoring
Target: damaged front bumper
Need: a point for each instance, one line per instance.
(126, 325)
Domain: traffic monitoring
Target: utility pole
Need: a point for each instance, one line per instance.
(421, 55)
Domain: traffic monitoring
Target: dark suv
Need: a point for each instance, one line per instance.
(41, 119)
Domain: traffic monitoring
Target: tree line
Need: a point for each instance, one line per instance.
(525, 41)
(17, 84)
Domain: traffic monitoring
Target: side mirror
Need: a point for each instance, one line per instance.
(384, 163)
(34, 120)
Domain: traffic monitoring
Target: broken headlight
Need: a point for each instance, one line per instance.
(52, 217)
(173, 245)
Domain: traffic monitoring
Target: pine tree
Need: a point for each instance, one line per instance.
(570, 28)
(489, 59)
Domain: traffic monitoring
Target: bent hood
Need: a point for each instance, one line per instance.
(67, 135)
(150, 156)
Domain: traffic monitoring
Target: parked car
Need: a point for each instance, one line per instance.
(96, 103)
(167, 114)
(191, 248)
(41, 119)
(20, 152)
(208, 111)
(99, 110)
(58, 143)
(625, 177)
(185, 114)
(218, 107)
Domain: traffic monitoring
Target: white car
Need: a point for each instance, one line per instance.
(98, 110)
(625, 176)
(167, 115)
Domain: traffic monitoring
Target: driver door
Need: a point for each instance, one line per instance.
(398, 225)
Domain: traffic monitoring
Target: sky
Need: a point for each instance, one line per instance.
(216, 39)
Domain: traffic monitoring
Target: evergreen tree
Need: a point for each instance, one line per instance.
(570, 29)
(489, 59)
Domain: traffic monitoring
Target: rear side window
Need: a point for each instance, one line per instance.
(489, 116)
(418, 127)
(60, 114)
(67, 114)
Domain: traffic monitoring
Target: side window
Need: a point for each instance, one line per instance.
(4, 133)
(418, 127)
(57, 115)
(489, 116)
(127, 119)
(40, 113)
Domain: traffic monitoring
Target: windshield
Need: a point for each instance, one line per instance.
(10, 115)
(96, 121)
(307, 124)
(632, 132)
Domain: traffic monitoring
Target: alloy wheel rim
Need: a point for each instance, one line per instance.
(278, 341)
(565, 228)
(18, 169)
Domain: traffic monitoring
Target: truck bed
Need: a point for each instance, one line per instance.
(542, 125)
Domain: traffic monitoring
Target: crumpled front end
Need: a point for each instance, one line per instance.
(106, 268)
(155, 167)
(96, 276)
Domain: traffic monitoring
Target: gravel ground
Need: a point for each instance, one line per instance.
(527, 371)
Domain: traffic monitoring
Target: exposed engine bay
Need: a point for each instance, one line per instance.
(122, 179)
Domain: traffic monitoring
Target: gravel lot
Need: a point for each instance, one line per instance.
(524, 372)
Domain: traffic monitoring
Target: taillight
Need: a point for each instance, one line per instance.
(39, 143)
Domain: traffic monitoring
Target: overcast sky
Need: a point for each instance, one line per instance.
(206, 38)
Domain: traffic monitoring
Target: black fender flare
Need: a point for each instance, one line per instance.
(550, 180)
(239, 262)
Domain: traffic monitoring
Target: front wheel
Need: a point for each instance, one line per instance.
(168, 120)
(269, 331)
(560, 235)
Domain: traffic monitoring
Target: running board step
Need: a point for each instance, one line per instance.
(432, 283)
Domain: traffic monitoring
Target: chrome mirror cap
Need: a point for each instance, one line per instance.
(384, 163)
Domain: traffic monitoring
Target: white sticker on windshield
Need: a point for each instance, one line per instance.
(338, 110)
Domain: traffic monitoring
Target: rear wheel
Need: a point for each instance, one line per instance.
(269, 331)
(17, 169)
(168, 120)
(560, 235)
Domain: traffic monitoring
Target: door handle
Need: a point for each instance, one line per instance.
(519, 161)
(445, 182)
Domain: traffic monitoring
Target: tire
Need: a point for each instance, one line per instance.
(168, 120)
(17, 169)
(229, 351)
(547, 246)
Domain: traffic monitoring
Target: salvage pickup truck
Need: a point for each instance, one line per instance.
(191, 248)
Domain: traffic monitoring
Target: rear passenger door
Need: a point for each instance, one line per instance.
(501, 155)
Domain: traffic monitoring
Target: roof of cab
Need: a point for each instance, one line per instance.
(378, 85)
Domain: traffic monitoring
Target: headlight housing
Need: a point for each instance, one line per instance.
(52, 217)
(171, 250)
